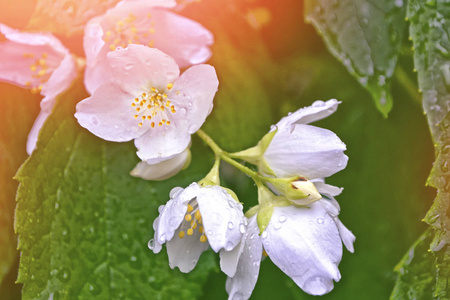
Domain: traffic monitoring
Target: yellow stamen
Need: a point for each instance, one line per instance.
(169, 86)
(203, 238)
(188, 217)
(181, 234)
(190, 208)
(190, 231)
(140, 124)
(198, 216)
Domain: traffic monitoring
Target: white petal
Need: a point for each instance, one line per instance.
(241, 285)
(229, 259)
(304, 243)
(162, 170)
(317, 111)
(33, 135)
(173, 213)
(307, 151)
(222, 217)
(153, 244)
(184, 253)
(346, 235)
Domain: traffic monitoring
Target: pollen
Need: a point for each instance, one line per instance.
(190, 231)
(152, 104)
(203, 238)
(181, 234)
(190, 208)
(188, 217)
(169, 86)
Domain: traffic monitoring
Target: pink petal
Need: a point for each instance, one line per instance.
(193, 93)
(183, 39)
(137, 68)
(60, 80)
(33, 135)
(108, 114)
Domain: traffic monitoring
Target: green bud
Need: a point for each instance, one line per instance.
(255, 154)
(264, 215)
(298, 190)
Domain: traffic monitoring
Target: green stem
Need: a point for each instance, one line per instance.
(225, 156)
(408, 84)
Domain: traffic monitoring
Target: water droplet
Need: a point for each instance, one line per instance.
(320, 220)
(229, 246)
(128, 66)
(173, 222)
(63, 275)
(210, 233)
(282, 219)
(256, 263)
(318, 103)
(162, 238)
(316, 284)
(190, 104)
(95, 289)
(242, 228)
(151, 244)
(277, 225)
(230, 225)
(264, 234)
(183, 111)
(399, 3)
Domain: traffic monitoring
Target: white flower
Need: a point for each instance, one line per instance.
(305, 150)
(147, 101)
(293, 148)
(196, 218)
(304, 242)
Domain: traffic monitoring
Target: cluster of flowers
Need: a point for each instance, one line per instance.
(134, 53)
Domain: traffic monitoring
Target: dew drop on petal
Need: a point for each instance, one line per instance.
(230, 225)
(151, 244)
(282, 219)
(160, 208)
(229, 246)
(320, 220)
(277, 226)
(162, 238)
(264, 235)
(242, 228)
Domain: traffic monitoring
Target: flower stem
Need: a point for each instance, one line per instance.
(221, 154)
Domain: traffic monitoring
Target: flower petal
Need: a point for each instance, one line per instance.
(346, 235)
(317, 111)
(137, 68)
(23, 53)
(189, 41)
(60, 80)
(307, 151)
(304, 243)
(184, 253)
(229, 259)
(33, 135)
(108, 114)
(193, 94)
(241, 285)
(222, 216)
(97, 68)
(162, 143)
(172, 215)
(164, 169)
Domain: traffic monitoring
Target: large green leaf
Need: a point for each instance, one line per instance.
(365, 36)
(429, 30)
(84, 222)
(417, 271)
(18, 109)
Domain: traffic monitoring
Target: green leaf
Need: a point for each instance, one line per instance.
(417, 269)
(365, 36)
(430, 21)
(18, 109)
(84, 222)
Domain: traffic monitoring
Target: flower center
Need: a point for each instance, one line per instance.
(39, 71)
(153, 106)
(194, 217)
(130, 30)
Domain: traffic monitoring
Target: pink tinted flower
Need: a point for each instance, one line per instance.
(146, 23)
(147, 101)
(37, 61)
